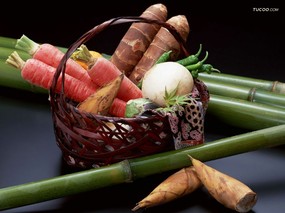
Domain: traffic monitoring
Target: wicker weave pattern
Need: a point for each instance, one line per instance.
(91, 140)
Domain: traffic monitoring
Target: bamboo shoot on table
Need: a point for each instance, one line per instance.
(229, 191)
(130, 170)
(177, 185)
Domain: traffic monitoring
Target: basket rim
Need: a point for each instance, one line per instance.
(89, 115)
(151, 130)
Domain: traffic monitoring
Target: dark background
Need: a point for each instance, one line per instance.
(239, 41)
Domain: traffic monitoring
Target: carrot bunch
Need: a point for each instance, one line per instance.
(81, 82)
(41, 74)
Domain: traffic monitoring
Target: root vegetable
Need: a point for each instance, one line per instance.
(40, 74)
(52, 56)
(103, 71)
(100, 102)
(179, 184)
(227, 190)
(118, 108)
(166, 77)
(137, 39)
(163, 42)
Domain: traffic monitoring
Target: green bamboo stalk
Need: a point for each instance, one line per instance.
(11, 77)
(7, 42)
(130, 170)
(274, 86)
(245, 114)
(245, 93)
(5, 52)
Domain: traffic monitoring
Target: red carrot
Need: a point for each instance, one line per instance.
(52, 56)
(103, 71)
(118, 108)
(40, 74)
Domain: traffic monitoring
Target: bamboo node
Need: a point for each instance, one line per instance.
(278, 87)
(274, 85)
(251, 94)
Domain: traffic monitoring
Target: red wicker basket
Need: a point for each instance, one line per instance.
(86, 140)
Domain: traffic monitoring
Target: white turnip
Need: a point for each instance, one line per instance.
(165, 78)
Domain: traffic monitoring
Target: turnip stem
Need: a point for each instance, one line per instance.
(274, 86)
(132, 169)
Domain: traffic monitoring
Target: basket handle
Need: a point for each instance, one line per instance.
(99, 28)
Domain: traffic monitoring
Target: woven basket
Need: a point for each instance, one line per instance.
(86, 140)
